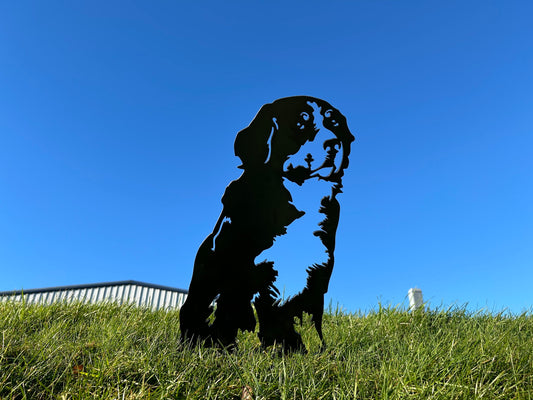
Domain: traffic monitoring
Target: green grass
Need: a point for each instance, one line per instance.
(120, 352)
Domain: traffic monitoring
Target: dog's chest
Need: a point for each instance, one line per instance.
(299, 248)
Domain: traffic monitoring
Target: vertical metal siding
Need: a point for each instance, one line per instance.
(144, 296)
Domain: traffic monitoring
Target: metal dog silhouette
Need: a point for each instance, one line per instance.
(258, 208)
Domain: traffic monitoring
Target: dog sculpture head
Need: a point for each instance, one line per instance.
(280, 129)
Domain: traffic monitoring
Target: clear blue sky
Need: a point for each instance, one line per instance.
(117, 122)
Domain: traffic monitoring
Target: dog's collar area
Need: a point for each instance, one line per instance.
(300, 174)
(297, 175)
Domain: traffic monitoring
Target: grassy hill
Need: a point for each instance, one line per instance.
(120, 352)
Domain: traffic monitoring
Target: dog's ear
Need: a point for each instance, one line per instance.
(252, 144)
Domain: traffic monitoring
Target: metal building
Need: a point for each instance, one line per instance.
(139, 293)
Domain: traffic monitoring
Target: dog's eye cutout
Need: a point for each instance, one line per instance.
(304, 117)
(329, 115)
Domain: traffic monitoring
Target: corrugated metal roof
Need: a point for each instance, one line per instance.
(139, 293)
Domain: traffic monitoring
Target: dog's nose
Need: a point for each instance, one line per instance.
(332, 143)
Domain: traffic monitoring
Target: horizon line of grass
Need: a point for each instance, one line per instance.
(109, 351)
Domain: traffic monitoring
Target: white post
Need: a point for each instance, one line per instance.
(416, 300)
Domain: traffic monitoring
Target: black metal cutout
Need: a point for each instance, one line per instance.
(257, 208)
